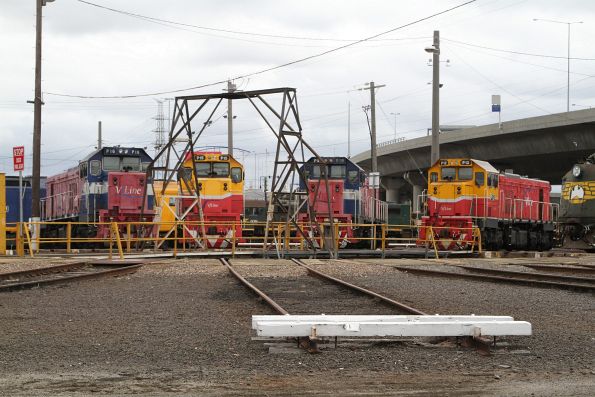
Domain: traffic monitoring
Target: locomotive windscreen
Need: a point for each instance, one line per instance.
(116, 163)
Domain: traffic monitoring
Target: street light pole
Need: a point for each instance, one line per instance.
(395, 125)
(435, 51)
(567, 56)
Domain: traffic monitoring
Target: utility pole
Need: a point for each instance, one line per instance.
(35, 206)
(99, 140)
(231, 87)
(372, 87)
(435, 51)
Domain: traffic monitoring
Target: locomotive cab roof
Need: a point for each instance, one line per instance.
(117, 151)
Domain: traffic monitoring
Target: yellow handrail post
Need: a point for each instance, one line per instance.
(286, 240)
(434, 243)
(28, 236)
(68, 236)
(111, 236)
(116, 232)
(128, 234)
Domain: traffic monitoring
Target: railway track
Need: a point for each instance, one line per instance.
(562, 269)
(533, 279)
(64, 273)
(481, 344)
(318, 296)
(292, 293)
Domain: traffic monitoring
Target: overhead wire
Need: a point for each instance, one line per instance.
(230, 31)
(262, 71)
(530, 54)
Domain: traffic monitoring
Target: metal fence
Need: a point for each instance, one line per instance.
(125, 238)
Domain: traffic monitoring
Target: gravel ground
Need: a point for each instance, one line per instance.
(182, 327)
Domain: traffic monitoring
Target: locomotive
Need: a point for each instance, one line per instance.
(577, 206)
(221, 186)
(106, 186)
(352, 199)
(510, 211)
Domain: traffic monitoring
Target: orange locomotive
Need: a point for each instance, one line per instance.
(221, 186)
(510, 211)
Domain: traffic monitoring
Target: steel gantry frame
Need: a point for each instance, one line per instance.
(285, 201)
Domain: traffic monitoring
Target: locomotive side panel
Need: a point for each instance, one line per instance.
(63, 196)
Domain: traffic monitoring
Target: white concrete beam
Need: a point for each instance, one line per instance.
(376, 326)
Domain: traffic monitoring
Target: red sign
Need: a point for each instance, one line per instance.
(18, 158)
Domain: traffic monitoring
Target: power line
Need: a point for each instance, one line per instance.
(518, 52)
(270, 68)
(238, 32)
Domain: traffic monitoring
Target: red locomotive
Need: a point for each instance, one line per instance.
(510, 211)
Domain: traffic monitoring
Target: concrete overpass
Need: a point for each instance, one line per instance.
(543, 147)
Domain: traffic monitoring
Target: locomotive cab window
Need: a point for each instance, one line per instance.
(352, 176)
(130, 164)
(337, 171)
(203, 169)
(236, 174)
(434, 177)
(492, 180)
(111, 163)
(479, 178)
(316, 171)
(465, 174)
(95, 167)
(448, 173)
(83, 169)
(220, 170)
(185, 174)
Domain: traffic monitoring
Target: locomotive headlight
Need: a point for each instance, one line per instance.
(225, 186)
(576, 171)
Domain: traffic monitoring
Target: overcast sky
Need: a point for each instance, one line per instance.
(90, 51)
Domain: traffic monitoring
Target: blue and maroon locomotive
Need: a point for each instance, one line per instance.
(353, 201)
(107, 186)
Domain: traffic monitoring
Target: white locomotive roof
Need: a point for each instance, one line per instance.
(485, 165)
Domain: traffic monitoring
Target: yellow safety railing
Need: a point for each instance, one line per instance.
(185, 235)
